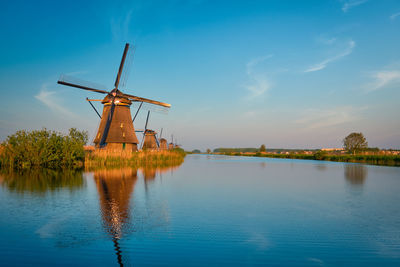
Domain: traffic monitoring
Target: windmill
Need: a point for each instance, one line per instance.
(171, 145)
(116, 130)
(149, 140)
(163, 142)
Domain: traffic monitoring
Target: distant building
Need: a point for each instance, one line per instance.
(332, 149)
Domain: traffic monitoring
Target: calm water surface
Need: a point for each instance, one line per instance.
(212, 210)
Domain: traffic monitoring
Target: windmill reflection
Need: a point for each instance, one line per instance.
(355, 174)
(119, 214)
(115, 188)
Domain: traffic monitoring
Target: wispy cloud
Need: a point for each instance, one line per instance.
(120, 26)
(383, 78)
(51, 101)
(259, 83)
(349, 4)
(321, 118)
(322, 65)
(394, 16)
(326, 41)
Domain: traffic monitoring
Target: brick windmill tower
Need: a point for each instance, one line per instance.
(116, 131)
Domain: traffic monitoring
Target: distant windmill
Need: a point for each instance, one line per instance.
(171, 145)
(163, 142)
(116, 130)
(149, 141)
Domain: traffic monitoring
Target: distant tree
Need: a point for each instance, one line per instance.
(208, 151)
(262, 148)
(196, 151)
(355, 142)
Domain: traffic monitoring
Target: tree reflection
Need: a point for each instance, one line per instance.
(41, 180)
(321, 167)
(355, 174)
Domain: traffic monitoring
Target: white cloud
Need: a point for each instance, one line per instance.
(259, 82)
(394, 16)
(383, 79)
(51, 101)
(326, 41)
(320, 118)
(322, 65)
(120, 26)
(352, 3)
(258, 86)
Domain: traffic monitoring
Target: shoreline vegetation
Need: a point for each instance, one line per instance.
(371, 159)
(53, 150)
(169, 158)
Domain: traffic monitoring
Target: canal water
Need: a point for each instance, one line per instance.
(211, 210)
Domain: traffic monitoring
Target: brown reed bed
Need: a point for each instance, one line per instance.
(99, 159)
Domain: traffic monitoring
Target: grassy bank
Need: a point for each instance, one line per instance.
(167, 158)
(53, 150)
(384, 160)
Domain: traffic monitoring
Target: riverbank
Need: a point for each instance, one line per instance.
(382, 160)
(54, 150)
(98, 159)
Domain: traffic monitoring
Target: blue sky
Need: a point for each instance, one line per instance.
(291, 74)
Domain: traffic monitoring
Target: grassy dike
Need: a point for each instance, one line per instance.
(53, 150)
(167, 158)
(383, 160)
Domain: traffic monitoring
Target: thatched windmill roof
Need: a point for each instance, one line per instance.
(163, 144)
(150, 141)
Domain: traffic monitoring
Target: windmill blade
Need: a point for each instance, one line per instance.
(121, 66)
(155, 108)
(141, 103)
(81, 84)
(127, 67)
(88, 100)
(158, 143)
(108, 123)
(146, 100)
(147, 120)
(161, 133)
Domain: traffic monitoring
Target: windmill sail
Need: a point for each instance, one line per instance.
(127, 67)
(81, 84)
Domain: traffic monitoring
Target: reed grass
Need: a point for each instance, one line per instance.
(384, 160)
(98, 159)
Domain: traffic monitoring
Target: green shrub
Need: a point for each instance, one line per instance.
(43, 148)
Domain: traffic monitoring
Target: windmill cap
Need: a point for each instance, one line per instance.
(117, 100)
